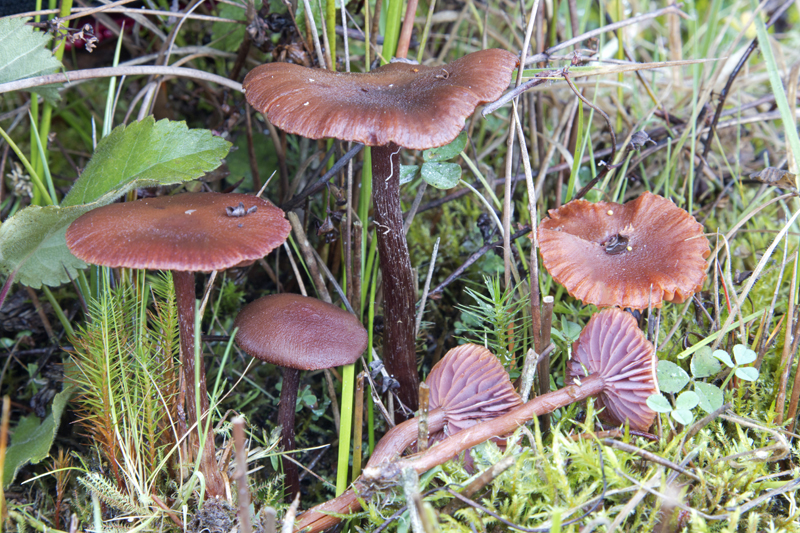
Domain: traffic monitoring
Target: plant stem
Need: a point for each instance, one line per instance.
(398, 285)
(196, 395)
(286, 412)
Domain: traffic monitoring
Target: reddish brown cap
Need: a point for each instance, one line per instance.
(613, 346)
(609, 254)
(188, 232)
(298, 332)
(471, 385)
(414, 106)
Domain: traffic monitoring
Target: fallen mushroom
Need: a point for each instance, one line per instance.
(632, 255)
(620, 363)
(396, 105)
(468, 386)
(298, 333)
(186, 233)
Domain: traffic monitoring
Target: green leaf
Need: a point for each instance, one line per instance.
(710, 396)
(448, 151)
(723, 356)
(704, 364)
(683, 416)
(146, 154)
(671, 377)
(24, 54)
(32, 440)
(32, 243)
(743, 355)
(441, 175)
(228, 36)
(747, 373)
(408, 173)
(687, 400)
(659, 403)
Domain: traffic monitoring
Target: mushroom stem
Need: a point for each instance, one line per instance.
(185, 300)
(398, 285)
(286, 412)
(391, 445)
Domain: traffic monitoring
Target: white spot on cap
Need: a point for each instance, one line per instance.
(391, 85)
(610, 212)
(311, 79)
(190, 211)
(306, 103)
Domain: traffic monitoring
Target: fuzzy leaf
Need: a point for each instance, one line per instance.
(710, 396)
(32, 440)
(441, 175)
(747, 373)
(723, 356)
(743, 355)
(448, 151)
(24, 54)
(704, 364)
(671, 377)
(145, 154)
(659, 403)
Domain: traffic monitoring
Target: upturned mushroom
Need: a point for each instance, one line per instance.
(186, 233)
(637, 254)
(468, 386)
(298, 333)
(396, 105)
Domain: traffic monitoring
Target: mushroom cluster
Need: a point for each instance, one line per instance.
(396, 105)
(185, 233)
(637, 254)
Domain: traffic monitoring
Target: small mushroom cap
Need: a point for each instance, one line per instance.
(414, 106)
(471, 385)
(187, 232)
(609, 254)
(298, 332)
(613, 346)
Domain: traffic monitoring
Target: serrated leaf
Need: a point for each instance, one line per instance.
(659, 403)
(687, 400)
(448, 151)
(747, 373)
(32, 242)
(441, 175)
(723, 356)
(24, 54)
(711, 397)
(408, 173)
(704, 364)
(32, 440)
(743, 355)
(671, 377)
(683, 416)
(146, 154)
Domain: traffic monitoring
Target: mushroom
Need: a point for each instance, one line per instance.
(620, 363)
(632, 255)
(186, 233)
(396, 105)
(468, 386)
(298, 333)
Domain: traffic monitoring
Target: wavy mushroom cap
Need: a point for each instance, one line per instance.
(186, 232)
(414, 106)
(645, 251)
(613, 346)
(471, 385)
(294, 331)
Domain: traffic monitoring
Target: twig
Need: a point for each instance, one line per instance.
(308, 255)
(427, 286)
(653, 458)
(311, 189)
(241, 475)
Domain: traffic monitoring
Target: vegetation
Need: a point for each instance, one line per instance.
(697, 103)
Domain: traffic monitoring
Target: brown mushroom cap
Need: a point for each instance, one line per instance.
(613, 346)
(471, 386)
(414, 106)
(186, 232)
(609, 254)
(298, 332)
